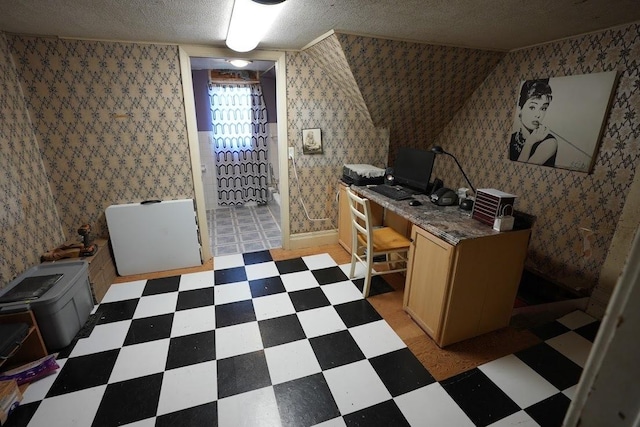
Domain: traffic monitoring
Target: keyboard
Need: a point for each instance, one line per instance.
(395, 193)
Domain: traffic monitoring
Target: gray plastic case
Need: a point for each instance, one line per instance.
(64, 308)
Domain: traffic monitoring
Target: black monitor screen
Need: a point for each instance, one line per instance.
(412, 168)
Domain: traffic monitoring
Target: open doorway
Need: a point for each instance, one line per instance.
(189, 52)
(236, 114)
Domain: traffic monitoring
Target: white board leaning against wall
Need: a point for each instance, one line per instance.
(153, 236)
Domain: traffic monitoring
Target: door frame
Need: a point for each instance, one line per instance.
(188, 51)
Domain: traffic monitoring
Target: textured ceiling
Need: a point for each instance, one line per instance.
(485, 24)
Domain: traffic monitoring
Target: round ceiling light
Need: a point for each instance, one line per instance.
(239, 63)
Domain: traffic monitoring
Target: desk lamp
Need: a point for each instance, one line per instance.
(436, 149)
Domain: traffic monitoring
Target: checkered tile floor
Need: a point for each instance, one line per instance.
(289, 343)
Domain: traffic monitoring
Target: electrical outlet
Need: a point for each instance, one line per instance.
(291, 152)
(587, 241)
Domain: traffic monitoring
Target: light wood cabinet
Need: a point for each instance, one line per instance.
(462, 291)
(462, 277)
(430, 264)
(344, 219)
(102, 270)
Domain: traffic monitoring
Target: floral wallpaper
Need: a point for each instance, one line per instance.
(354, 87)
(321, 94)
(29, 221)
(576, 213)
(329, 55)
(414, 89)
(109, 119)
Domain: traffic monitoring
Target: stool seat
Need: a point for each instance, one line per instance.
(386, 238)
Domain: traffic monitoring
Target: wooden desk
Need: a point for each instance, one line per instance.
(462, 276)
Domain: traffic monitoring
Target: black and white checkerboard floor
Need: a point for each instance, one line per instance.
(289, 343)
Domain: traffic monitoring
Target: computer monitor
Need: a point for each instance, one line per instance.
(412, 168)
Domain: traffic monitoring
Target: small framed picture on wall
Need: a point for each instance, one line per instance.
(311, 141)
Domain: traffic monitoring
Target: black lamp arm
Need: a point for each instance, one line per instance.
(461, 170)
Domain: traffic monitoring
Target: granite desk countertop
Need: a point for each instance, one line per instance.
(449, 223)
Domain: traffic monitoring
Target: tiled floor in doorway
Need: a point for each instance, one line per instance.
(235, 230)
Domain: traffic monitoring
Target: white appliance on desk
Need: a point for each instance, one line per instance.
(362, 174)
(153, 236)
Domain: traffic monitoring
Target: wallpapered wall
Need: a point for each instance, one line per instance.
(329, 55)
(563, 201)
(348, 136)
(414, 89)
(109, 119)
(29, 221)
(352, 86)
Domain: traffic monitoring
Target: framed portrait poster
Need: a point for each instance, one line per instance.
(558, 121)
(311, 141)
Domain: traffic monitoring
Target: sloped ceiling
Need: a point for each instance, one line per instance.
(329, 56)
(411, 89)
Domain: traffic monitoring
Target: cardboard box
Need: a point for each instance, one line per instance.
(10, 398)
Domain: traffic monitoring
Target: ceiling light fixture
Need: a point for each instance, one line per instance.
(239, 63)
(250, 21)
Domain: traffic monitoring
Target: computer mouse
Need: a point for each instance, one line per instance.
(415, 203)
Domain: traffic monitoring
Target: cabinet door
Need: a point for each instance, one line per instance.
(344, 219)
(484, 284)
(426, 288)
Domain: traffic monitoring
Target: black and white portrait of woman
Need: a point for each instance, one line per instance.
(558, 121)
(532, 142)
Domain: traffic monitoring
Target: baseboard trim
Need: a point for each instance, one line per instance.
(314, 238)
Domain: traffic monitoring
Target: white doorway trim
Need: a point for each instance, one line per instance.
(188, 51)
